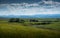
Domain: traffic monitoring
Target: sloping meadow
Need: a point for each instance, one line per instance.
(8, 30)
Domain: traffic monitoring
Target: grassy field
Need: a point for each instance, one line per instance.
(19, 30)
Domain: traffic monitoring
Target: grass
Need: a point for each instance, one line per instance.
(53, 26)
(20, 30)
(17, 30)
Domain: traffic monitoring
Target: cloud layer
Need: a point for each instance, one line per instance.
(42, 7)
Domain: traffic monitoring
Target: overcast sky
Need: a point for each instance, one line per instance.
(29, 7)
(20, 1)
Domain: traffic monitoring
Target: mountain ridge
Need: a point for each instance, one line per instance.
(32, 16)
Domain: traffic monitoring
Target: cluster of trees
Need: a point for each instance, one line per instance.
(30, 20)
(33, 20)
(16, 20)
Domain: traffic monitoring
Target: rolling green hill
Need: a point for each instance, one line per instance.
(18, 30)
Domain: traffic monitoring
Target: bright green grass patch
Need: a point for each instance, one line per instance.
(55, 26)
